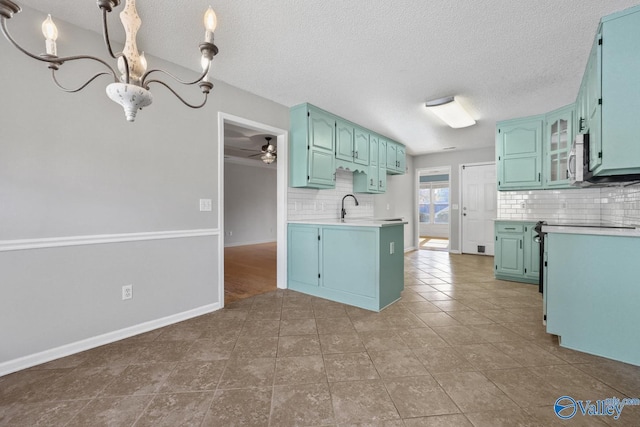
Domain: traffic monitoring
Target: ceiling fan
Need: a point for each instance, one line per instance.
(268, 153)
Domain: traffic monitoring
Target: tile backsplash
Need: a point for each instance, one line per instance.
(305, 203)
(614, 205)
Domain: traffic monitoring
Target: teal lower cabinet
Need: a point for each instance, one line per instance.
(592, 293)
(361, 266)
(517, 254)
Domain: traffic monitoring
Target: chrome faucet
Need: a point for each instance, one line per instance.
(343, 211)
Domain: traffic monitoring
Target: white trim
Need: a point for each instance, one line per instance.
(93, 342)
(53, 242)
(416, 208)
(253, 242)
(282, 188)
(409, 249)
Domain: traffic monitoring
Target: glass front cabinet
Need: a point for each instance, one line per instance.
(560, 131)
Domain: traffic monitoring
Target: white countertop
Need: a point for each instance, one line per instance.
(599, 231)
(353, 222)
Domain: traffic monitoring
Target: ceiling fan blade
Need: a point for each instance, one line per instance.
(254, 155)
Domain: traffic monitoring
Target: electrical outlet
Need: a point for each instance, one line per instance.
(205, 205)
(127, 292)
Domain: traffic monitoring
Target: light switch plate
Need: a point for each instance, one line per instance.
(205, 205)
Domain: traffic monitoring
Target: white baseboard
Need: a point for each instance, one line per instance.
(253, 242)
(457, 252)
(410, 249)
(89, 343)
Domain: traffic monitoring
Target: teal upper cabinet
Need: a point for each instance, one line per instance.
(396, 158)
(352, 144)
(361, 146)
(519, 153)
(320, 142)
(312, 148)
(591, 98)
(559, 133)
(344, 140)
(382, 165)
(614, 92)
(374, 180)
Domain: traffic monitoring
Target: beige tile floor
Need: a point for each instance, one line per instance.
(459, 349)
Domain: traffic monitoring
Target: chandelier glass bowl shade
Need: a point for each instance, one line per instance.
(131, 79)
(269, 154)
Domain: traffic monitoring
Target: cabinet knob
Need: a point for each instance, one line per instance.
(356, 154)
(371, 181)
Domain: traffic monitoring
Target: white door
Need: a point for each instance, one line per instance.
(479, 208)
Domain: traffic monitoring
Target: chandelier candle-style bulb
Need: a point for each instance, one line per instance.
(50, 32)
(210, 24)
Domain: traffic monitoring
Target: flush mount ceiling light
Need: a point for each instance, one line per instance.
(451, 112)
(130, 87)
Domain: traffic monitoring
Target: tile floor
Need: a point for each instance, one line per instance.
(460, 349)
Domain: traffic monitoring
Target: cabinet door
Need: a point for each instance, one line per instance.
(374, 145)
(509, 255)
(349, 260)
(322, 131)
(594, 115)
(303, 255)
(322, 168)
(559, 133)
(373, 178)
(401, 159)
(382, 153)
(519, 145)
(361, 147)
(531, 253)
(382, 165)
(344, 140)
(391, 156)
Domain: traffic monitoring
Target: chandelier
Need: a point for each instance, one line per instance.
(130, 87)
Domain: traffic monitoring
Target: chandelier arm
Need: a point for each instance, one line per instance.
(178, 96)
(107, 41)
(55, 80)
(144, 83)
(52, 59)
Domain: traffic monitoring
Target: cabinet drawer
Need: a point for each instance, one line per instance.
(509, 228)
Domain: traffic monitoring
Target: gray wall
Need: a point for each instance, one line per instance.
(454, 159)
(399, 198)
(70, 165)
(249, 204)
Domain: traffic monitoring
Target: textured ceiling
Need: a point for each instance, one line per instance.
(376, 62)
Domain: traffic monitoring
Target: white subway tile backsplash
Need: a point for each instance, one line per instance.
(306, 204)
(614, 205)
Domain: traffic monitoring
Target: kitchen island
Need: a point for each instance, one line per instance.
(356, 262)
(592, 290)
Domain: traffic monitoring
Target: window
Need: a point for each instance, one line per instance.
(434, 202)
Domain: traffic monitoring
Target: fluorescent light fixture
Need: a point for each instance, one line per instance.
(451, 112)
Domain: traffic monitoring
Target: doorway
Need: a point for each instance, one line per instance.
(479, 207)
(433, 189)
(253, 241)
